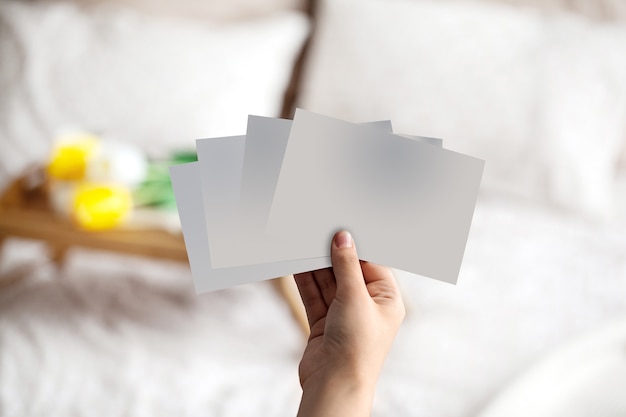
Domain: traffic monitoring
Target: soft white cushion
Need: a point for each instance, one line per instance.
(154, 82)
(542, 100)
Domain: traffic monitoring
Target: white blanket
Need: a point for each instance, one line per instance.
(123, 336)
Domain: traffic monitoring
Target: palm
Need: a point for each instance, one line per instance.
(313, 357)
(336, 323)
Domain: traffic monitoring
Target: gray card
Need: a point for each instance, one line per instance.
(433, 141)
(220, 163)
(408, 204)
(266, 141)
(187, 190)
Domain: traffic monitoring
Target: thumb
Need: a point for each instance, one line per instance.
(346, 265)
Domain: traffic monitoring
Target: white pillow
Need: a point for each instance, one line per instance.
(542, 100)
(157, 83)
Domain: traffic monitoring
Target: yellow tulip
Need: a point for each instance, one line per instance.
(70, 156)
(101, 206)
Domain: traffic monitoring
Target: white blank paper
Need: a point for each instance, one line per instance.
(408, 204)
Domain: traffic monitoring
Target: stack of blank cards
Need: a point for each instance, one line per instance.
(267, 204)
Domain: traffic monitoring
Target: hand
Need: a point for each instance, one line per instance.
(354, 311)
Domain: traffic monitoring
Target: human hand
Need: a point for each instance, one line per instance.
(354, 311)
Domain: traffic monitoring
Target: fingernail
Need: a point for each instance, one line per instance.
(343, 239)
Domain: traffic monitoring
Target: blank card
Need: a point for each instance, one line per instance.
(266, 141)
(408, 204)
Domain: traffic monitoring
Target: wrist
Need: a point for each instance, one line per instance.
(343, 379)
(337, 394)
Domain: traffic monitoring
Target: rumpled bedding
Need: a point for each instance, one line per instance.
(121, 336)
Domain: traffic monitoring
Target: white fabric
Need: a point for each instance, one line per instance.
(602, 10)
(542, 100)
(214, 10)
(156, 82)
(123, 336)
(118, 336)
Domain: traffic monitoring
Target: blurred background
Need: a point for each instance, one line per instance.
(98, 97)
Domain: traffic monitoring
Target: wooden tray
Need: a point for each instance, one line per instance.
(26, 213)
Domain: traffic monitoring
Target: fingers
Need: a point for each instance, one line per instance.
(374, 272)
(312, 298)
(326, 283)
(382, 285)
(346, 266)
